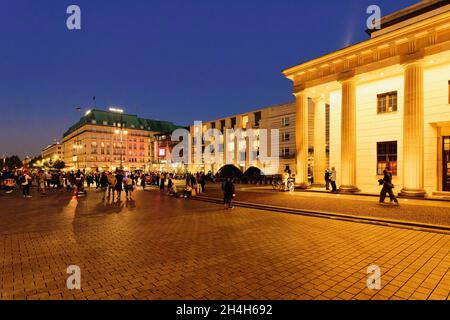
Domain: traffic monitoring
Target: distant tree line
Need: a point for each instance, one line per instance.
(14, 162)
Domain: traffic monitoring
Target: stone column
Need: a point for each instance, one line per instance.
(301, 139)
(413, 131)
(236, 142)
(348, 137)
(226, 142)
(320, 157)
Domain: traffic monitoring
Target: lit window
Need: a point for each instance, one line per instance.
(387, 102)
(286, 136)
(285, 152)
(285, 122)
(387, 157)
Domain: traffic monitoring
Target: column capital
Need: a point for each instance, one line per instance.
(300, 93)
(412, 59)
(299, 88)
(321, 98)
(348, 76)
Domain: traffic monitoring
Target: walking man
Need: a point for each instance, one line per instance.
(228, 193)
(388, 186)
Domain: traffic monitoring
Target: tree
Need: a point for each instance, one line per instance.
(34, 161)
(59, 165)
(13, 162)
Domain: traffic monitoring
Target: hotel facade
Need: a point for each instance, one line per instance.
(107, 140)
(389, 105)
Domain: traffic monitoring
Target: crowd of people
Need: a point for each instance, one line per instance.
(113, 184)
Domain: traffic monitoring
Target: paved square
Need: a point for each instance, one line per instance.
(158, 247)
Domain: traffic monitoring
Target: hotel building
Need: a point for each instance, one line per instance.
(106, 140)
(389, 99)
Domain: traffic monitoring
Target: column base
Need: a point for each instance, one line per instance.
(318, 185)
(413, 193)
(348, 189)
(302, 185)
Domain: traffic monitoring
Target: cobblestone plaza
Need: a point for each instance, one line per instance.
(159, 247)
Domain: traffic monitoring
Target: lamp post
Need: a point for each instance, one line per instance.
(77, 146)
(121, 132)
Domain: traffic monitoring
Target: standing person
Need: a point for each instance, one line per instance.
(89, 180)
(129, 185)
(97, 178)
(143, 182)
(61, 181)
(333, 179)
(327, 179)
(203, 181)
(48, 179)
(111, 185)
(169, 184)
(25, 181)
(198, 185)
(103, 184)
(285, 179)
(387, 187)
(119, 184)
(228, 193)
(162, 182)
(42, 179)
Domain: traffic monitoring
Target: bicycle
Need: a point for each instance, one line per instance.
(279, 185)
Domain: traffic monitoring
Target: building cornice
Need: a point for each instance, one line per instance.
(424, 38)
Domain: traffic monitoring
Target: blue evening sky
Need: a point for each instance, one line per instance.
(170, 60)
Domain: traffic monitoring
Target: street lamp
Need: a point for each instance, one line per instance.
(77, 146)
(121, 133)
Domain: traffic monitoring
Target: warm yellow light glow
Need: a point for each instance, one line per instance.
(117, 110)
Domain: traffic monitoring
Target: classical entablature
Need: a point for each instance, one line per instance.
(410, 43)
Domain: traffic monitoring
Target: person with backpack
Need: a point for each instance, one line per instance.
(119, 183)
(128, 181)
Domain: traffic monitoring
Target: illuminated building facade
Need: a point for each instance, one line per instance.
(281, 117)
(389, 105)
(107, 140)
(53, 152)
